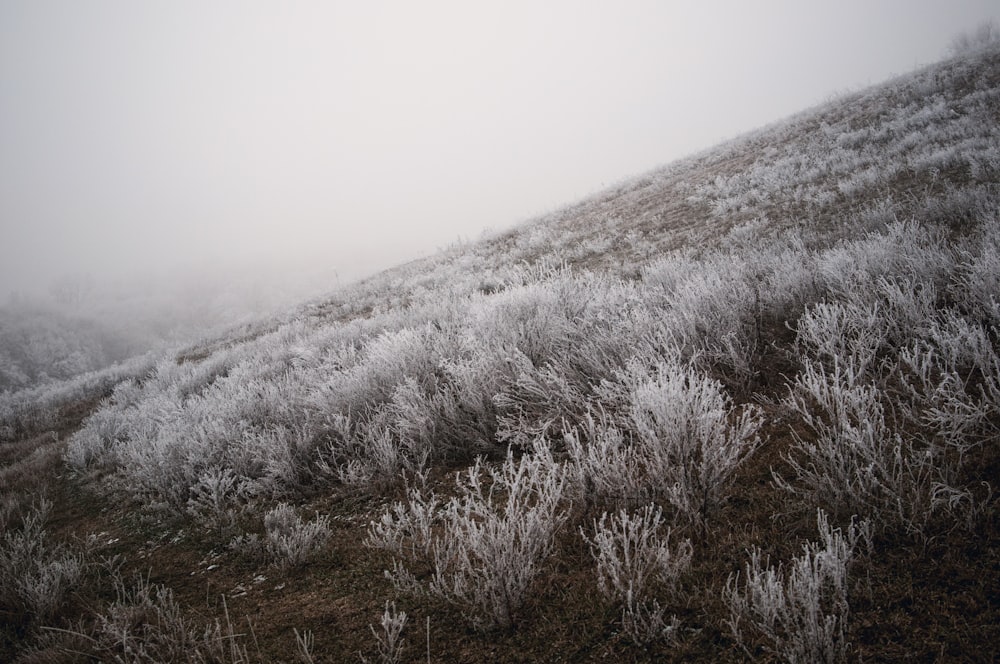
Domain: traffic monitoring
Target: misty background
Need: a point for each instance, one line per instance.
(170, 168)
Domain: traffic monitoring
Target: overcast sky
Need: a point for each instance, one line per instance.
(354, 135)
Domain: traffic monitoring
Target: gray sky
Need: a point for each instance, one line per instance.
(353, 135)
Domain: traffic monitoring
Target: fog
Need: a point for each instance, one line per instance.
(273, 149)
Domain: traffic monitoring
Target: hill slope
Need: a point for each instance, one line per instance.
(744, 406)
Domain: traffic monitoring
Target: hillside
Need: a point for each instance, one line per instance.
(743, 407)
(39, 346)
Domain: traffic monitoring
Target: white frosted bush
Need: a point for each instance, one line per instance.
(843, 465)
(214, 496)
(383, 448)
(537, 318)
(711, 308)
(389, 639)
(414, 413)
(634, 557)
(290, 541)
(848, 334)
(801, 610)
(977, 285)
(35, 575)
(602, 466)
(45, 586)
(475, 378)
(688, 435)
(561, 338)
(487, 543)
(953, 376)
(386, 361)
(903, 267)
(146, 623)
(538, 404)
(908, 306)
(375, 458)
(857, 355)
(91, 445)
(947, 407)
(30, 411)
(854, 463)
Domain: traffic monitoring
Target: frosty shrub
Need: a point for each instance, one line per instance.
(145, 623)
(389, 639)
(800, 611)
(687, 433)
(91, 444)
(853, 463)
(213, 497)
(540, 318)
(372, 455)
(290, 540)
(633, 558)
(31, 411)
(712, 306)
(486, 544)
(588, 339)
(467, 408)
(899, 270)
(908, 305)
(852, 448)
(977, 287)
(35, 575)
(954, 378)
(386, 361)
(537, 403)
(603, 467)
(848, 334)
